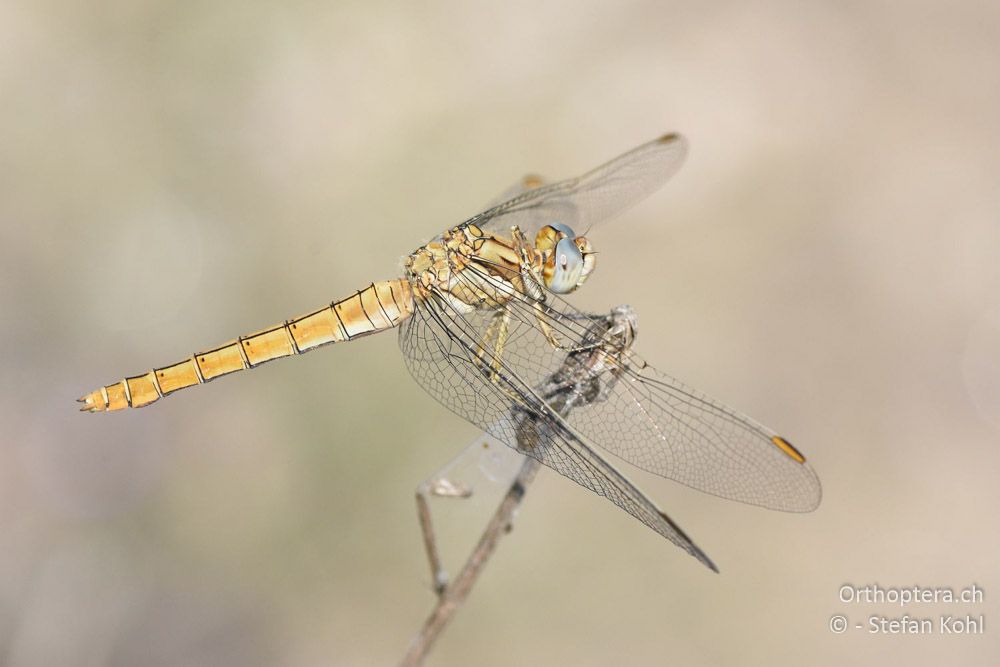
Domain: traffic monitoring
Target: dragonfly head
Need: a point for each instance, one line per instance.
(567, 259)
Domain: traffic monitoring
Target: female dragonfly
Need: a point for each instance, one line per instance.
(483, 325)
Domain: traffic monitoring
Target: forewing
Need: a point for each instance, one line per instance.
(524, 184)
(594, 197)
(659, 424)
(667, 428)
(444, 353)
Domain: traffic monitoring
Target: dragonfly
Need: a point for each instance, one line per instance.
(484, 325)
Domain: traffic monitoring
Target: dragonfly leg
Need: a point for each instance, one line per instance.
(495, 337)
(606, 331)
(502, 330)
(529, 278)
(546, 328)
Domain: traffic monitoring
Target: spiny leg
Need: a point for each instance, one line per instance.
(496, 363)
(546, 328)
(496, 332)
(536, 295)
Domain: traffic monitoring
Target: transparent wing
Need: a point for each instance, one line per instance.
(524, 184)
(483, 468)
(598, 195)
(664, 427)
(462, 496)
(444, 352)
(660, 425)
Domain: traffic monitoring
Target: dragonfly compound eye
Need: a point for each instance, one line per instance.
(563, 269)
(565, 229)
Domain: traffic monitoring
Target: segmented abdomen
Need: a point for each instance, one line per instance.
(382, 305)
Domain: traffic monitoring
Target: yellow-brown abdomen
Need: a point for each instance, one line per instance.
(380, 306)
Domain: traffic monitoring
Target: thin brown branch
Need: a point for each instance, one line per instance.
(455, 593)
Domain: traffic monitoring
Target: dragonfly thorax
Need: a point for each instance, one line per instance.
(473, 269)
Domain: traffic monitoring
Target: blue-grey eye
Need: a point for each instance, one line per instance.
(564, 267)
(565, 229)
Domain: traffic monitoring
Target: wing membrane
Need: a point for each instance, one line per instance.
(444, 352)
(660, 425)
(523, 185)
(592, 198)
(657, 423)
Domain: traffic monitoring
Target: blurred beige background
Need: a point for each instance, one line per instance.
(175, 174)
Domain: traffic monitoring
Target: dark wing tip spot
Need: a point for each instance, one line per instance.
(788, 449)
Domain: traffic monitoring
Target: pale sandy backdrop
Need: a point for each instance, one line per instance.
(173, 174)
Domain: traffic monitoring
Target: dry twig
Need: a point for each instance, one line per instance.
(454, 594)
